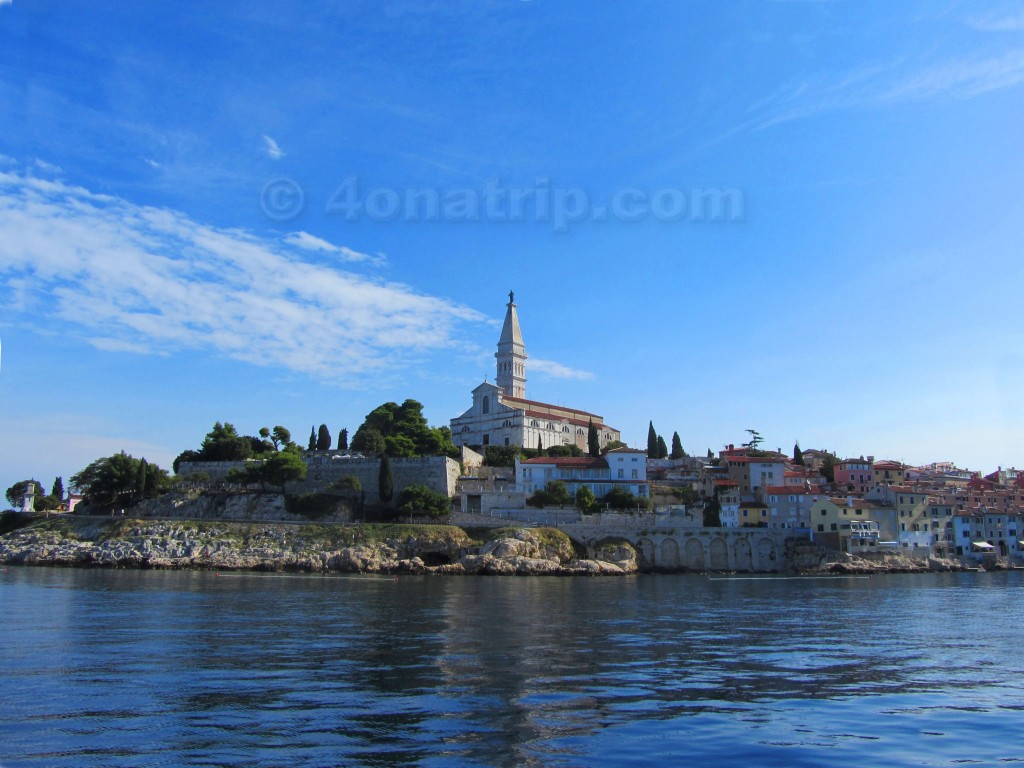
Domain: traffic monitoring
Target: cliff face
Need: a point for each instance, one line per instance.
(305, 548)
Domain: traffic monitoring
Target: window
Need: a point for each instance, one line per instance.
(622, 474)
(487, 439)
(486, 405)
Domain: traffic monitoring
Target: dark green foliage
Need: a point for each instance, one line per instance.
(593, 442)
(561, 451)
(140, 479)
(612, 445)
(501, 455)
(620, 498)
(323, 438)
(404, 431)
(798, 455)
(348, 483)
(421, 498)
(677, 447)
(312, 506)
(586, 501)
(16, 491)
(710, 454)
(57, 491)
(12, 521)
(312, 439)
(755, 440)
(343, 440)
(279, 468)
(828, 467)
(385, 482)
(223, 443)
(114, 481)
(652, 441)
(278, 436)
(712, 517)
(662, 448)
(554, 494)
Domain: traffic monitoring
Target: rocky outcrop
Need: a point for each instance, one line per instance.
(307, 548)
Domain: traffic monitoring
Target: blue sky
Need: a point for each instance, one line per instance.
(223, 213)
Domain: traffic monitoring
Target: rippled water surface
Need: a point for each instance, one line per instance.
(133, 668)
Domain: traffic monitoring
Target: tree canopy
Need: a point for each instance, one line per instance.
(593, 441)
(677, 447)
(120, 480)
(421, 498)
(402, 431)
(224, 443)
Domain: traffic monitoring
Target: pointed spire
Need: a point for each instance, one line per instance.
(511, 353)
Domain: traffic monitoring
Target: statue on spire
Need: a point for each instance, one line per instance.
(511, 297)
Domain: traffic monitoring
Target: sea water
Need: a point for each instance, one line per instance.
(146, 668)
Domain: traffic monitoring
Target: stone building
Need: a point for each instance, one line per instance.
(501, 414)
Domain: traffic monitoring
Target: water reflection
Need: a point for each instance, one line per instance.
(136, 668)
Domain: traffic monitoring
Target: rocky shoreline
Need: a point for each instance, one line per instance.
(230, 546)
(369, 548)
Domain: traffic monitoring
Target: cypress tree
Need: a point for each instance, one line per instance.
(677, 447)
(798, 455)
(312, 439)
(58, 489)
(662, 448)
(652, 441)
(323, 439)
(593, 443)
(343, 440)
(385, 482)
(540, 445)
(140, 479)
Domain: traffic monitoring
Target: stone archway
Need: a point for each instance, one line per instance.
(766, 556)
(645, 549)
(719, 554)
(694, 554)
(742, 556)
(669, 559)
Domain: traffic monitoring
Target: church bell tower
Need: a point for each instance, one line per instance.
(511, 353)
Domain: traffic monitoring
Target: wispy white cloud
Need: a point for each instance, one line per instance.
(557, 370)
(902, 81)
(137, 278)
(998, 23)
(150, 162)
(273, 151)
(310, 242)
(46, 167)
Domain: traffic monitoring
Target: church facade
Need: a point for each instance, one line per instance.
(501, 414)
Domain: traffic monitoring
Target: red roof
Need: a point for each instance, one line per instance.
(796, 490)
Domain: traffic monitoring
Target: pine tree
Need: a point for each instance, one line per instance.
(385, 482)
(710, 454)
(58, 489)
(662, 448)
(323, 438)
(652, 441)
(343, 440)
(312, 439)
(593, 443)
(677, 447)
(798, 455)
